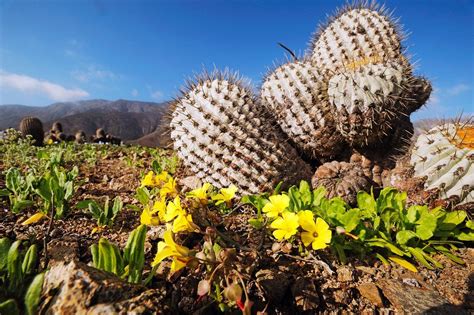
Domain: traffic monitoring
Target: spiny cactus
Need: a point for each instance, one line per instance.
(225, 137)
(100, 133)
(57, 127)
(34, 127)
(341, 179)
(444, 157)
(357, 35)
(371, 101)
(80, 137)
(296, 93)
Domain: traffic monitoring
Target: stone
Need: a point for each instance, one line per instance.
(409, 299)
(75, 288)
(344, 274)
(371, 293)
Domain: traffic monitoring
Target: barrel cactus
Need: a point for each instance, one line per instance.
(444, 158)
(34, 127)
(341, 179)
(80, 137)
(371, 86)
(57, 127)
(225, 136)
(357, 35)
(296, 94)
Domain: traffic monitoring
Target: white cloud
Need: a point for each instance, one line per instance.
(26, 83)
(458, 89)
(93, 72)
(134, 92)
(156, 94)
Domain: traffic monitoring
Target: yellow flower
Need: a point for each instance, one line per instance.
(148, 218)
(226, 195)
(183, 223)
(50, 141)
(34, 218)
(160, 208)
(168, 248)
(161, 178)
(148, 180)
(173, 209)
(277, 205)
(168, 189)
(317, 233)
(200, 193)
(285, 226)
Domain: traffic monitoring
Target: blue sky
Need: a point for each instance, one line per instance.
(69, 50)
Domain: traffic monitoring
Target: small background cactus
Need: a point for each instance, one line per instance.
(34, 127)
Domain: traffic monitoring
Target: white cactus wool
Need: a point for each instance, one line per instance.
(368, 102)
(296, 94)
(225, 137)
(357, 35)
(445, 157)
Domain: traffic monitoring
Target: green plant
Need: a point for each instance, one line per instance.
(382, 227)
(129, 264)
(223, 136)
(20, 286)
(105, 215)
(18, 189)
(56, 187)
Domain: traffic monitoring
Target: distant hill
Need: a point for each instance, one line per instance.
(125, 119)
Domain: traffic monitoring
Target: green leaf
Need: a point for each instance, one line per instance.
(5, 244)
(30, 261)
(465, 236)
(318, 195)
(33, 294)
(134, 253)
(426, 226)
(451, 220)
(404, 263)
(9, 307)
(305, 194)
(450, 255)
(378, 242)
(470, 224)
(84, 204)
(14, 272)
(143, 195)
(366, 202)
(4, 193)
(156, 167)
(350, 219)
(277, 189)
(418, 254)
(405, 236)
(257, 223)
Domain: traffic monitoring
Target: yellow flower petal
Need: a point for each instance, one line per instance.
(183, 224)
(279, 234)
(34, 218)
(307, 238)
(306, 220)
(276, 206)
(148, 180)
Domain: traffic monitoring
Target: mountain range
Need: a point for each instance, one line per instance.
(128, 120)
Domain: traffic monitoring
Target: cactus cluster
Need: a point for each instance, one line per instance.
(444, 158)
(222, 132)
(353, 92)
(33, 127)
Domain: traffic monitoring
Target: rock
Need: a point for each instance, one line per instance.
(408, 299)
(274, 284)
(371, 293)
(344, 274)
(75, 288)
(305, 295)
(63, 250)
(190, 182)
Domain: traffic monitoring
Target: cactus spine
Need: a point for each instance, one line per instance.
(296, 94)
(34, 127)
(226, 137)
(444, 157)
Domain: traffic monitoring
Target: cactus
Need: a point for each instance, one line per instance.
(357, 35)
(296, 94)
(371, 101)
(100, 133)
(80, 137)
(57, 127)
(341, 179)
(34, 127)
(444, 157)
(225, 136)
